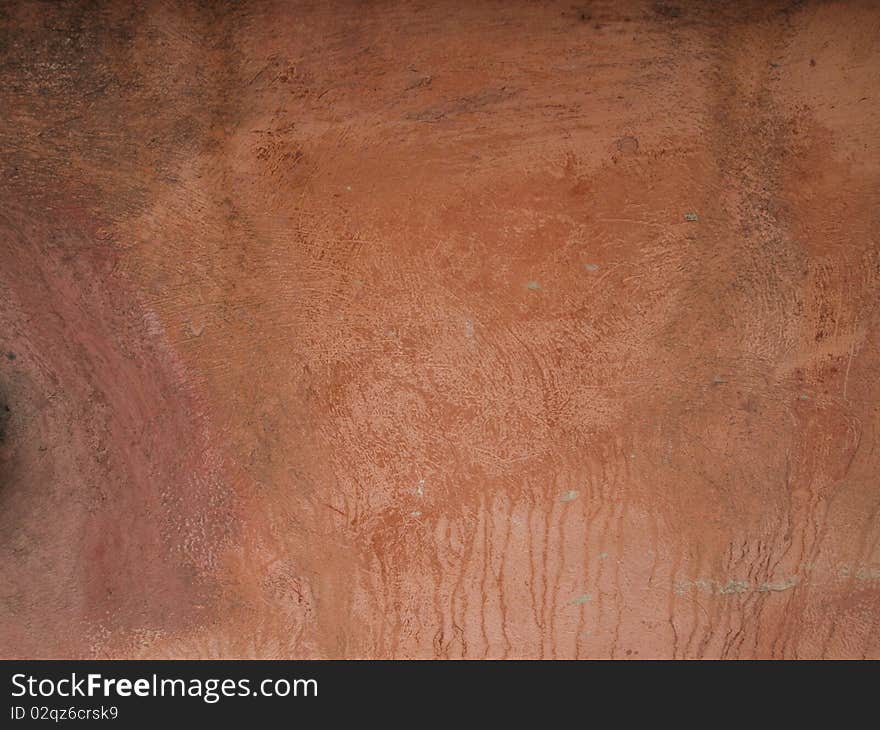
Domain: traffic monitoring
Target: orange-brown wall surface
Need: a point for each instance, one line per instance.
(440, 329)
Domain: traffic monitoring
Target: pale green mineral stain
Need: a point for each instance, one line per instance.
(707, 585)
(581, 599)
(570, 496)
(734, 586)
(780, 585)
(859, 572)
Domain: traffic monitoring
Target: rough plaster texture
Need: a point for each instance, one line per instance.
(440, 329)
